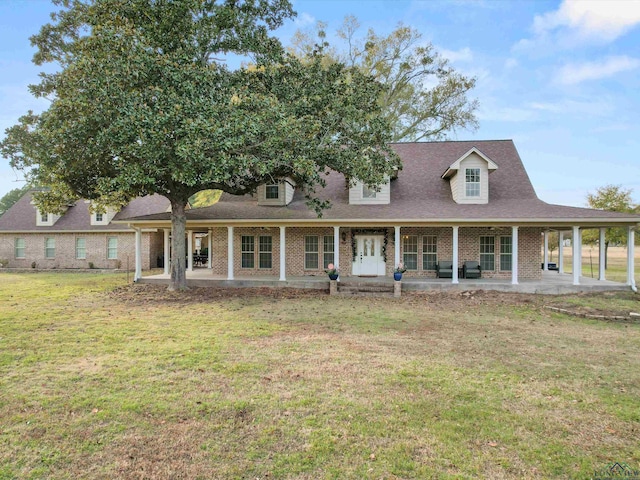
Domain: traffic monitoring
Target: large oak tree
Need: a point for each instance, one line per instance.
(143, 102)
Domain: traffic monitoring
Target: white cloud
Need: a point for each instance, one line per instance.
(572, 74)
(601, 19)
(577, 23)
(462, 55)
(304, 19)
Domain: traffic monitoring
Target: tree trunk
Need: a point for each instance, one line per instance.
(178, 246)
(606, 254)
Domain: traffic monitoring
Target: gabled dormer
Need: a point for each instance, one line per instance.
(361, 194)
(469, 177)
(45, 219)
(278, 193)
(102, 217)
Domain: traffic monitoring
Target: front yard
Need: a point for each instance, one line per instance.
(103, 380)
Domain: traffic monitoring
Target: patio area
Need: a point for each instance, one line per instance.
(552, 283)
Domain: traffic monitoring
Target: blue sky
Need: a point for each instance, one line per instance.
(562, 79)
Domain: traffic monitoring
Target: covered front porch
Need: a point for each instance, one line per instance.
(552, 283)
(296, 256)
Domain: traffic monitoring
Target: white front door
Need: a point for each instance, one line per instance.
(369, 258)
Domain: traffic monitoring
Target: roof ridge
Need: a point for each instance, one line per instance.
(453, 141)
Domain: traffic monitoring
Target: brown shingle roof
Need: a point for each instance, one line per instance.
(419, 193)
(21, 217)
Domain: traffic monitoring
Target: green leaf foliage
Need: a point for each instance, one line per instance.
(613, 198)
(423, 96)
(143, 102)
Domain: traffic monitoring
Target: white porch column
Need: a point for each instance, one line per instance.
(545, 255)
(209, 247)
(514, 255)
(336, 246)
(601, 250)
(138, 271)
(229, 253)
(167, 251)
(396, 252)
(283, 265)
(631, 279)
(576, 243)
(560, 252)
(189, 251)
(454, 274)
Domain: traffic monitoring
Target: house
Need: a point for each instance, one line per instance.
(78, 238)
(453, 200)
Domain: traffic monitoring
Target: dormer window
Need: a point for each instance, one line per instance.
(472, 182)
(272, 192)
(468, 177)
(362, 194)
(103, 217)
(368, 192)
(276, 194)
(45, 219)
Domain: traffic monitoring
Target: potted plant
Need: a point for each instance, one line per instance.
(332, 271)
(399, 270)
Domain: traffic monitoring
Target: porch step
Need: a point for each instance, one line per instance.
(365, 289)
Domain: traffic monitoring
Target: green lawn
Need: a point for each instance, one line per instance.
(136, 382)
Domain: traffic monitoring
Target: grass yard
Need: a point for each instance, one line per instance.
(99, 380)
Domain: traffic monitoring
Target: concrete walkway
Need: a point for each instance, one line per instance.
(552, 283)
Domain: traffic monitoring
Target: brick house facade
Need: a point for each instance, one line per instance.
(75, 240)
(452, 201)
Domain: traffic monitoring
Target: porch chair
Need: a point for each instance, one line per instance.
(444, 269)
(471, 269)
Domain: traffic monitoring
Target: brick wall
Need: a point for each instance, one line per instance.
(468, 241)
(65, 250)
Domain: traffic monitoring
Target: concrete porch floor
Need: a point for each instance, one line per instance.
(552, 283)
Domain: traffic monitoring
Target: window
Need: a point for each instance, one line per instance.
(506, 253)
(472, 181)
(368, 192)
(429, 252)
(20, 247)
(99, 217)
(81, 249)
(112, 248)
(328, 248)
(265, 258)
(44, 217)
(49, 247)
(310, 252)
(248, 249)
(272, 192)
(410, 251)
(487, 253)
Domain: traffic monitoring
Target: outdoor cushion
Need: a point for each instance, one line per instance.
(444, 269)
(471, 269)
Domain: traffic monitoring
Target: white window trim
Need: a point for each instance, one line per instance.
(23, 248)
(109, 257)
(367, 193)
(468, 183)
(84, 257)
(316, 252)
(46, 248)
